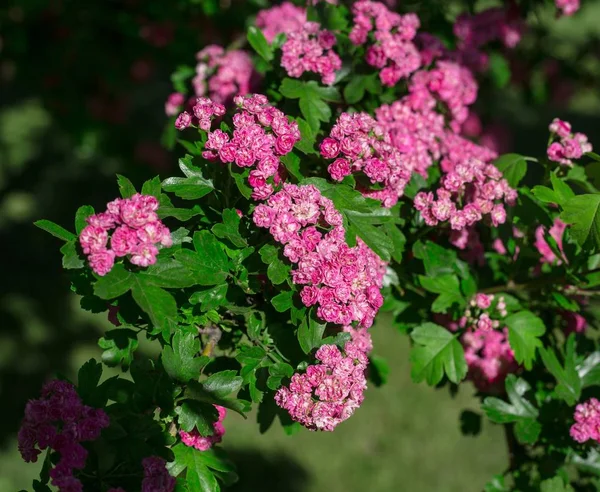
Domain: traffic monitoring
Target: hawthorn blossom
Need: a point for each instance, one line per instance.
(156, 476)
(569, 146)
(587, 421)
(135, 231)
(567, 7)
(278, 19)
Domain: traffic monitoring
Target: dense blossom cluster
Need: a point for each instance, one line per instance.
(328, 392)
(222, 74)
(282, 18)
(136, 232)
(203, 443)
(567, 7)
(310, 49)
(487, 350)
(389, 38)
(358, 143)
(342, 282)
(59, 421)
(156, 477)
(569, 145)
(475, 186)
(477, 30)
(541, 244)
(587, 421)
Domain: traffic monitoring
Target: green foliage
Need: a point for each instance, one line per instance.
(582, 212)
(513, 167)
(524, 332)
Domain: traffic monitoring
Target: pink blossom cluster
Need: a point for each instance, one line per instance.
(203, 443)
(389, 37)
(587, 421)
(282, 18)
(569, 145)
(203, 113)
(261, 135)
(448, 82)
(328, 392)
(310, 49)
(174, 103)
(59, 421)
(575, 322)
(474, 31)
(222, 74)
(342, 282)
(359, 144)
(489, 357)
(475, 186)
(156, 477)
(136, 232)
(567, 7)
(556, 232)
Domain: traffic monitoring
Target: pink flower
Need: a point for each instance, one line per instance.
(183, 121)
(587, 421)
(102, 262)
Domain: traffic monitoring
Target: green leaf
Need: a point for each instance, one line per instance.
(88, 378)
(310, 333)
(436, 259)
(355, 90)
(257, 40)
(71, 258)
(208, 263)
(119, 346)
(499, 69)
(230, 228)
(197, 415)
(436, 351)
(283, 301)
(198, 476)
(555, 484)
(562, 190)
(180, 361)
(449, 289)
(544, 194)
(115, 283)
(181, 214)
(519, 410)
(379, 370)
(191, 188)
(569, 383)
(312, 98)
(168, 272)
(524, 330)
(582, 212)
(589, 370)
(277, 271)
(513, 167)
(223, 383)
(307, 142)
(126, 188)
(210, 298)
(496, 484)
(398, 241)
(157, 303)
(55, 230)
(152, 187)
(292, 163)
(81, 215)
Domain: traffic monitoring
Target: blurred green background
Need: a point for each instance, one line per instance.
(82, 90)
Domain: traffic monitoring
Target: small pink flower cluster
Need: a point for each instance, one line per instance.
(587, 421)
(417, 134)
(262, 134)
(390, 48)
(282, 18)
(137, 232)
(575, 322)
(449, 82)
(489, 357)
(174, 103)
(474, 31)
(203, 443)
(567, 7)
(204, 111)
(222, 74)
(343, 282)
(310, 49)
(364, 146)
(329, 392)
(571, 145)
(60, 421)
(478, 186)
(556, 232)
(156, 476)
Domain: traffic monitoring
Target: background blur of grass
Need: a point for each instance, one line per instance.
(404, 437)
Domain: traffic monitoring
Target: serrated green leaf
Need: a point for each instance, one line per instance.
(567, 377)
(230, 228)
(197, 415)
(436, 259)
(119, 346)
(208, 263)
(544, 194)
(157, 303)
(583, 213)
(210, 298)
(562, 190)
(190, 188)
(448, 288)
(55, 230)
(126, 187)
(222, 384)
(436, 352)
(310, 333)
(115, 283)
(589, 370)
(181, 360)
(168, 272)
(71, 258)
(283, 301)
(513, 168)
(524, 330)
